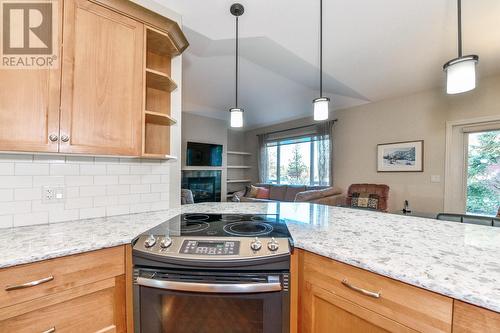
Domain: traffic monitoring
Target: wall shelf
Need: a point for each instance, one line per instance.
(239, 153)
(159, 118)
(238, 167)
(159, 81)
(232, 181)
(160, 43)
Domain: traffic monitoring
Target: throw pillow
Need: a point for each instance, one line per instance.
(252, 192)
(262, 193)
(364, 200)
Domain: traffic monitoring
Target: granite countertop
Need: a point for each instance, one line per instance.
(457, 260)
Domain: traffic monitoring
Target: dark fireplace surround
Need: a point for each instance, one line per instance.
(205, 184)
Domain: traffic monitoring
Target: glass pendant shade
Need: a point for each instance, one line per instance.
(321, 108)
(461, 74)
(236, 117)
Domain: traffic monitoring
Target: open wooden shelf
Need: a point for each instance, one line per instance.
(160, 156)
(239, 181)
(238, 167)
(160, 43)
(159, 81)
(239, 153)
(159, 118)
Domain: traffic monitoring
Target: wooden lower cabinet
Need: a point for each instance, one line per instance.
(468, 318)
(332, 298)
(96, 306)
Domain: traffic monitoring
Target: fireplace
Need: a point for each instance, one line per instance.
(205, 184)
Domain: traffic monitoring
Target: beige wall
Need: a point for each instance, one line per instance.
(420, 116)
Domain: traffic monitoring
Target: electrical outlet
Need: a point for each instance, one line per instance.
(53, 194)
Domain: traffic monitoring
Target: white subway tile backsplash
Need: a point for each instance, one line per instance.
(109, 200)
(6, 221)
(129, 199)
(143, 188)
(28, 194)
(6, 169)
(130, 179)
(78, 180)
(60, 215)
(89, 213)
(117, 189)
(117, 210)
(140, 169)
(105, 180)
(93, 187)
(65, 169)
(21, 220)
(92, 191)
(84, 202)
(16, 181)
(31, 169)
(150, 179)
(92, 169)
(6, 195)
(47, 180)
(118, 169)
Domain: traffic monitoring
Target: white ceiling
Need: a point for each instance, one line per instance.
(373, 50)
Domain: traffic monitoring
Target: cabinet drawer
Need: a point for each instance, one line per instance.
(413, 307)
(91, 312)
(59, 274)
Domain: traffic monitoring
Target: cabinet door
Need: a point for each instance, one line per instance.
(323, 312)
(102, 81)
(29, 107)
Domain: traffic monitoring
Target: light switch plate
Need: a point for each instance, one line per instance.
(435, 179)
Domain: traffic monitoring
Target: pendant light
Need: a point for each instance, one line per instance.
(461, 71)
(236, 112)
(320, 104)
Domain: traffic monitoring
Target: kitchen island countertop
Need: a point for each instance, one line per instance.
(457, 260)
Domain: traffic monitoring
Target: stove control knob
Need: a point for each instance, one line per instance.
(256, 244)
(150, 241)
(166, 242)
(273, 245)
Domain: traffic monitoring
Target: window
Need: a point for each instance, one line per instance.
(483, 173)
(301, 160)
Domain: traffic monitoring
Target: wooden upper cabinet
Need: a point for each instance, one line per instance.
(29, 107)
(102, 81)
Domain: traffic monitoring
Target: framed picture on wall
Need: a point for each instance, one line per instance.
(401, 156)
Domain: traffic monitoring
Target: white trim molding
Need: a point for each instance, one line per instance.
(455, 162)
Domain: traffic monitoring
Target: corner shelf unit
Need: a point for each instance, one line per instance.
(158, 86)
(237, 171)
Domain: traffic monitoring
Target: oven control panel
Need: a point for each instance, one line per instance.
(210, 247)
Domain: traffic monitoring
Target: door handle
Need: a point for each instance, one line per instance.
(361, 290)
(223, 288)
(29, 284)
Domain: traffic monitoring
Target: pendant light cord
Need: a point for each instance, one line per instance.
(459, 10)
(237, 61)
(321, 48)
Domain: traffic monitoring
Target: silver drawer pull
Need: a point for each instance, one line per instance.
(361, 290)
(50, 330)
(29, 284)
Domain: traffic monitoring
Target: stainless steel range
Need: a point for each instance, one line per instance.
(208, 273)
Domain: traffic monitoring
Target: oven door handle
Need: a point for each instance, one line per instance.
(238, 288)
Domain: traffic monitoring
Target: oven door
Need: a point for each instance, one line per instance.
(173, 302)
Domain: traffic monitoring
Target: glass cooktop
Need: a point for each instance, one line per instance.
(223, 225)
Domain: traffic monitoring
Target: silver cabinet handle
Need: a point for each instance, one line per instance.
(361, 290)
(64, 138)
(29, 284)
(53, 137)
(241, 288)
(50, 330)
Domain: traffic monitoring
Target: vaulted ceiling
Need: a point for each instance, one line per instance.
(373, 50)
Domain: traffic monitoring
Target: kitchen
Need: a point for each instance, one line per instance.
(94, 238)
